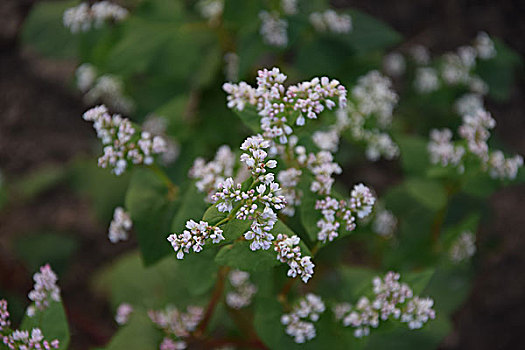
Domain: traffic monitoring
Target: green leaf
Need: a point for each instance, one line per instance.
(138, 334)
(212, 216)
(151, 211)
(418, 281)
(239, 255)
(355, 282)
(192, 206)
(414, 154)
(370, 34)
(399, 337)
(234, 229)
(500, 72)
(52, 321)
(37, 249)
(44, 30)
(427, 192)
(250, 118)
(309, 215)
(241, 13)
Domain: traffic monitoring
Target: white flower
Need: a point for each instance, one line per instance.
(299, 322)
(469, 103)
(330, 20)
(392, 300)
(420, 54)
(83, 17)
(177, 323)
(290, 7)
(394, 64)
(464, 247)
(124, 311)
(484, 46)
(45, 289)
(273, 29)
(426, 80)
(231, 66)
(243, 291)
(120, 226)
(384, 223)
(442, 150)
(194, 238)
(211, 10)
(289, 252)
(85, 76)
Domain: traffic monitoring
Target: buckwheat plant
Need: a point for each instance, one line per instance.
(29, 335)
(268, 219)
(392, 300)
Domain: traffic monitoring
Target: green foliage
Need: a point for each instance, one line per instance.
(151, 209)
(171, 60)
(44, 30)
(126, 337)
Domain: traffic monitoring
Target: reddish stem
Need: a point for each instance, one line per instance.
(214, 300)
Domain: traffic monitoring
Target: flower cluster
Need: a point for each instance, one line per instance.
(442, 150)
(273, 29)
(243, 291)
(82, 17)
(392, 300)
(210, 175)
(211, 10)
(255, 155)
(344, 211)
(194, 237)
(394, 64)
(289, 252)
(23, 339)
(372, 99)
(322, 166)
(455, 68)
(176, 325)
(275, 103)
(384, 223)
(123, 144)
(107, 89)
(157, 126)
(426, 80)
(299, 322)
(123, 313)
(464, 247)
(330, 20)
(469, 103)
(289, 179)
(475, 131)
(44, 291)
(119, 226)
(290, 7)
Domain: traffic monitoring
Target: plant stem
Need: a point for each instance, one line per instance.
(214, 300)
(173, 190)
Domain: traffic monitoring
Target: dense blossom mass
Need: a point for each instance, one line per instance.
(475, 133)
(276, 104)
(330, 20)
(123, 143)
(300, 321)
(243, 290)
(463, 247)
(343, 212)
(45, 290)
(120, 226)
(392, 300)
(177, 325)
(83, 17)
(289, 252)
